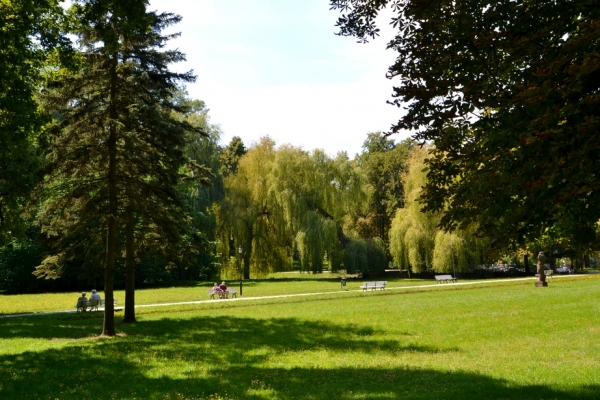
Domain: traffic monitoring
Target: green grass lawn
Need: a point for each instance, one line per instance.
(510, 341)
(283, 284)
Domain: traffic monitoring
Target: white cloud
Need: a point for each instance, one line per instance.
(277, 69)
(333, 117)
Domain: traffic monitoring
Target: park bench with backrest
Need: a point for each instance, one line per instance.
(91, 304)
(373, 285)
(214, 294)
(444, 278)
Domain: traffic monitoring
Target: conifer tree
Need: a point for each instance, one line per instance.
(114, 153)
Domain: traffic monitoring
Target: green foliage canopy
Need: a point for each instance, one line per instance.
(509, 94)
(287, 199)
(30, 32)
(382, 162)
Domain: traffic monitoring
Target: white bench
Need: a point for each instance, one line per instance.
(373, 285)
(221, 295)
(92, 304)
(444, 278)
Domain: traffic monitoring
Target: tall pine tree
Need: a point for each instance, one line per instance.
(114, 154)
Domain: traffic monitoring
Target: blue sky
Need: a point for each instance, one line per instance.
(276, 68)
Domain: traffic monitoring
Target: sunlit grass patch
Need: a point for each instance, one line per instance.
(493, 342)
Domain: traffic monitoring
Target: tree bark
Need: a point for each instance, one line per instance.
(111, 240)
(130, 267)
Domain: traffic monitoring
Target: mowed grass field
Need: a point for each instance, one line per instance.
(509, 341)
(282, 284)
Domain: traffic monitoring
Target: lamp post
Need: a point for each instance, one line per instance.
(241, 270)
(452, 251)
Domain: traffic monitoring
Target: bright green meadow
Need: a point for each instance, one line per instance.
(281, 284)
(501, 340)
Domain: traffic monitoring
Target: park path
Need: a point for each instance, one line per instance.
(301, 295)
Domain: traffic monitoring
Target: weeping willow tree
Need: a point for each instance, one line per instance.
(416, 242)
(355, 256)
(412, 235)
(459, 249)
(316, 193)
(250, 218)
(318, 239)
(286, 199)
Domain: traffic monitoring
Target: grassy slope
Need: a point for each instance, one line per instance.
(494, 342)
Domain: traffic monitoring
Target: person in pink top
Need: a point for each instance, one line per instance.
(217, 290)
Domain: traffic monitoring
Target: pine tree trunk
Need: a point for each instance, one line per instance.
(130, 266)
(111, 241)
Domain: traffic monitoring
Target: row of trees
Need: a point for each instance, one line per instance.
(284, 205)
(288, 203)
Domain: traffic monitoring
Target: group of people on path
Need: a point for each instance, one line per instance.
(83, 301)
(220, 290)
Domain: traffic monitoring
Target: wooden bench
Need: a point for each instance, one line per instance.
(221, 295)
(373, 285)
(444, 278)
(92, 304)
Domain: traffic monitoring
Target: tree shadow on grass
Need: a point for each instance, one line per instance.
(236, 358)
(79, 374)
(231, 334)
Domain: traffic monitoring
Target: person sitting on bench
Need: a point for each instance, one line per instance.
(82, 302)
(94, 300)
(223, 288)
(94, 296)
(217, 290)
